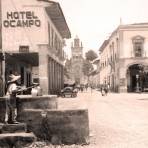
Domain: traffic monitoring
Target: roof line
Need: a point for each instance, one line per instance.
(54, 3)
(49, 1)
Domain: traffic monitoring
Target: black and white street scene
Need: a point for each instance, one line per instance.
(73, 74)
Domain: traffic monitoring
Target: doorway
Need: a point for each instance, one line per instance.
(136, 78)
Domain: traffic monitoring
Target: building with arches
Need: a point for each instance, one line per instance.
(124, 59)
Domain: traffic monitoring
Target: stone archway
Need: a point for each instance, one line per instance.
(137, 78)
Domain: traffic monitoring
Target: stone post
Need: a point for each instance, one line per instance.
(43, 68)
(122, 80)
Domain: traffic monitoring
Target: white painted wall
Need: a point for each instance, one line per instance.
(127, 42)
(13, 37)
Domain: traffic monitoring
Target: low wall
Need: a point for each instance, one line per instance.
(58, 126)
(29, 102)
(38, 102)
(2, 109)
(47, 123)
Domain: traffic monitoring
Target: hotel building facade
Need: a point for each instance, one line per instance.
(33, 33)
(124, 59)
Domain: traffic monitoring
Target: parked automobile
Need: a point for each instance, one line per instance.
(69, 91)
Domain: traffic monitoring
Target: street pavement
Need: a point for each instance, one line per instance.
(115, 120)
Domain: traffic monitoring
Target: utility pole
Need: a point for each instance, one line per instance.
(3, 72)
(2, 60)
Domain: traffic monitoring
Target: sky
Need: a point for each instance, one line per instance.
(94, 20)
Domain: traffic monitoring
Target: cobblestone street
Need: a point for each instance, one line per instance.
(116, 120)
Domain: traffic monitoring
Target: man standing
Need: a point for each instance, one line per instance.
(11, 109)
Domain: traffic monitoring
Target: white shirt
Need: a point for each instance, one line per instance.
(12, 87)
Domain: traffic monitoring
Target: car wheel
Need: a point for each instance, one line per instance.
(75, 95)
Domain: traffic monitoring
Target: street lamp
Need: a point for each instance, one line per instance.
(137, 83)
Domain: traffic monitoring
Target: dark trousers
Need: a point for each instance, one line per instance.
(11, 108)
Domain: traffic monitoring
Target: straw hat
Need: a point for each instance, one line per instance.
(14, 78)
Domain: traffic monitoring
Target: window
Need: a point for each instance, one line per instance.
(115, 57)
(138, 42)
(56, 42)
(113, 48)
(24, 49)
(49, 33)
(52, 37)
(138, 49)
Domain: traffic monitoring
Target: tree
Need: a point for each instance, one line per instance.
(87, 67)
(68, 64)
(67, 68)
(91, 55)
(66, 74)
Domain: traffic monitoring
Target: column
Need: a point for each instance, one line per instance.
(55, 74)
(123, 79)
(49, 75)
(52, 75)
(62, 76)
(43, 68)
(59, 87)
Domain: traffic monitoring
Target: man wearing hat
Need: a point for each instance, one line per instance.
(12, 89)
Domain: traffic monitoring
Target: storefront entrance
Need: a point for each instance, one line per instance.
(137, 78)
(21, 63)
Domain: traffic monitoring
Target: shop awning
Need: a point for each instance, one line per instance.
(29, 58)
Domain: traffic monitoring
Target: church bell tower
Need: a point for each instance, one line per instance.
(77, 60)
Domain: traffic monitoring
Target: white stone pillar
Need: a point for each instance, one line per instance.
(123, 80)
(43, 69)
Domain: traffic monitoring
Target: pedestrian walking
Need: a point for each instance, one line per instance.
(104, 90)
(86, 87)
(108, 87)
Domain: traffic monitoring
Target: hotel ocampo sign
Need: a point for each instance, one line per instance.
(21, 19)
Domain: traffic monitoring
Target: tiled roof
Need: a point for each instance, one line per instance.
(56, 14)
(103, 45)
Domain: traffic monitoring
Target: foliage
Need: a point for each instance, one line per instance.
(67, 68)
(91, 55)
(87, 67)
(68, 64)
(66, 73)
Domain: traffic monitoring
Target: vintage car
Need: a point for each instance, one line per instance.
(69, 91)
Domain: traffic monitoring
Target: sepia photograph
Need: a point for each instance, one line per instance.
(73, 74)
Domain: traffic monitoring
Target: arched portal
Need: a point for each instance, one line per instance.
(137, 78)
